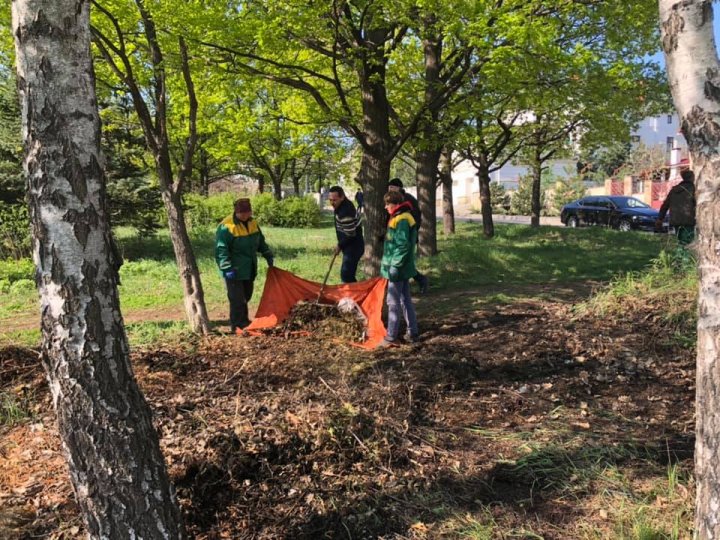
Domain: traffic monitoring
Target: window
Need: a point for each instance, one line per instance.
(670, 118)
(670, 143)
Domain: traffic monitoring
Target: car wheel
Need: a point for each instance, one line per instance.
(572, 221)
(624, 225)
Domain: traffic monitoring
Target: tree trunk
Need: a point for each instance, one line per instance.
(378, 146)
(261, 183)
(116, 467)
(427, 158)
(445, 170)
(426, 173)
(276, 177)
(486, 202)
(193, 294)
(373, 176)
(694, 77)
(535, 203)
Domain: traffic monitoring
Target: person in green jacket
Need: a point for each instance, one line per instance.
(237, 242)
(398, 266)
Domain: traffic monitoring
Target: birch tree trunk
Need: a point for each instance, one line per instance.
(694, 76)
(116, 468)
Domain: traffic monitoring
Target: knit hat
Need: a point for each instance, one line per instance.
(396, 182)
(243, 205)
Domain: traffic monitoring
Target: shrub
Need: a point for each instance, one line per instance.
(202, 211)
(12, 271)
(302, 212)
(266, 209)
(22, 285)
(136, 202)
(14, 231)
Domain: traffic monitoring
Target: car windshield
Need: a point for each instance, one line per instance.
(629, 202)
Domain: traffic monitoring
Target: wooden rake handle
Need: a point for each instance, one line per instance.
(327, 275)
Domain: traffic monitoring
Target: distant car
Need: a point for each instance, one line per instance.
(618, 212)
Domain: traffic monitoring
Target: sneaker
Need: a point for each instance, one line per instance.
(411, 339)
(423, 282)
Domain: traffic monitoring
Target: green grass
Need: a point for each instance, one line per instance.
(13, 410)
(517, 256)
(520, 255)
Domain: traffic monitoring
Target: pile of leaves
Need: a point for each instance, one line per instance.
(323, 321)
(525, 422)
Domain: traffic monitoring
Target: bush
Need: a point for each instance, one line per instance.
(266, 209)
(301, 212)
(202, 211)
(12, 270)
(14, 231)
(22, 285)
(137, 203)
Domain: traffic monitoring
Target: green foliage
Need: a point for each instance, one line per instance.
(521, 202)
(500, 198)
(567, 190)
(14, 231)
(134, 201)
(12, 182)
(12, 271)
(298, 212)
(203, 211)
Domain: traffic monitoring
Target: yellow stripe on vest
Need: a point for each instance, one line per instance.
(404, 216)
(238, 229)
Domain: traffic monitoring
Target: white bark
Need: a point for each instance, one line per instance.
(694, 76)
(116, 467)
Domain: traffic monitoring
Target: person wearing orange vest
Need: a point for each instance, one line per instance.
(238, 240)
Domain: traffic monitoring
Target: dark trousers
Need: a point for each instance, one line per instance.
(239, 293)
(351, 258)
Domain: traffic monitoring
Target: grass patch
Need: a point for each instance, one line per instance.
(517, 256)
(13, 409)
(668, 288)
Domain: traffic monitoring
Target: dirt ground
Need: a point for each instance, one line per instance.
(511, 421)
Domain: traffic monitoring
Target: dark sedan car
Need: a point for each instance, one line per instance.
(618, 212)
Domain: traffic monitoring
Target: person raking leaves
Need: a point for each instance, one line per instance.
(238, 240)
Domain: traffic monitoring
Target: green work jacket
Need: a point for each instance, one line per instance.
(237, 245)
(399, 248)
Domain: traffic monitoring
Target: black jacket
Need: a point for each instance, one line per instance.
(681, 203)
(347, 226)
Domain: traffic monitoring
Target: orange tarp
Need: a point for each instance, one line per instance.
(284, 289)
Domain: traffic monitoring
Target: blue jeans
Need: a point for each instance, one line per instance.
(350, 260)
(398, 300)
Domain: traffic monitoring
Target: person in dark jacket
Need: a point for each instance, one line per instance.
(238, 240)
(349, 233)
(359, 200)
(398, 266)
(396, 185)
(680, 201)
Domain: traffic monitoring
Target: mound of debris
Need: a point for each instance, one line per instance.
(344, 320)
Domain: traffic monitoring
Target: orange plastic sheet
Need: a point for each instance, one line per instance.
(284, 289)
